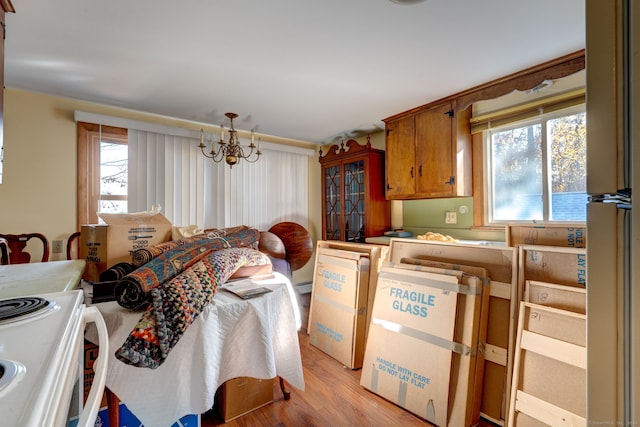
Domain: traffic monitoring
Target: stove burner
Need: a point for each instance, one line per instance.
(10, 373)
(18, 307)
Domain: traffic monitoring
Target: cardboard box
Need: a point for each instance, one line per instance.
(104, 245)
(127, 419)
(377, 255)
(565, 235)
(469, 373)
(90, 356)
(501, 265)
(439, 318)
(552, 264)
(242, 395)
(338, 310)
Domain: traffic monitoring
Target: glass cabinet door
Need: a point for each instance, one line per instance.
(354, 204)
(354, 176)
(333, 228)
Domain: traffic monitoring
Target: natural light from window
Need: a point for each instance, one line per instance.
(113, 177)
(537, 169)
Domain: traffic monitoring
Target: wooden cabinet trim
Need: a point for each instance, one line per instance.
(521, 80)
(7, 6)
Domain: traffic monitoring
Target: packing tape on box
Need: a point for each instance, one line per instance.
(456, 347)
(342, 307)
(432, 283)
(344, 263)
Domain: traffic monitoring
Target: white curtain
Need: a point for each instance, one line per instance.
(171, 171)
(274, 189)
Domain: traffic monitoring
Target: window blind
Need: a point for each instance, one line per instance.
(527, 110)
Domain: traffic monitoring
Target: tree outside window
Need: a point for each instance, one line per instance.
(538, 169)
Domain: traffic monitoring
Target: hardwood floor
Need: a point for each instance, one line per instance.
(332, 397)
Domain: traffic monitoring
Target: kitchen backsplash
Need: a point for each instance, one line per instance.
(420, 216)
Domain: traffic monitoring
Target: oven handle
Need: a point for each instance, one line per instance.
(92, 406)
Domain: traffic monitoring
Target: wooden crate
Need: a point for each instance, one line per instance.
(570, 298)
(549, 380)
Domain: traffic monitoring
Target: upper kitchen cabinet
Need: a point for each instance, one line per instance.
(5, 7)
(353, 199)
(428, 153)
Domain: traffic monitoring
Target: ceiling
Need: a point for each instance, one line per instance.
(315, 71)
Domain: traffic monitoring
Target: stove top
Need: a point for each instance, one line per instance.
(34, 344)
(22, 308)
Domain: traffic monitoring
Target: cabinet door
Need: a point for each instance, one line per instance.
(332, 205)
(435, 152)
(400, 155)
(354, 200)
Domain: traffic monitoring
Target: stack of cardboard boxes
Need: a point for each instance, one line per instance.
(448, 325)
(344, 283)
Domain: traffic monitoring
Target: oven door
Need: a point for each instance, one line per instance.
(71, 388)
(49, 348)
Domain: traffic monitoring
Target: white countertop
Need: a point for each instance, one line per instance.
(36, 278)
(384, 240)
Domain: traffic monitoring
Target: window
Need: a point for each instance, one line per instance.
(537, 168)
(168, 169)
(101, 169)
(113, 176)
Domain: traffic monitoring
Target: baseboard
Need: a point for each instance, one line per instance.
(303, 288)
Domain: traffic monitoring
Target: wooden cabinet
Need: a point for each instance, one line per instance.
(353, 198)
(428, 153)
(5, 7)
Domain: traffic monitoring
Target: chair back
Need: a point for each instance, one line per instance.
(73, 240)
(4, 251)
(17, 244)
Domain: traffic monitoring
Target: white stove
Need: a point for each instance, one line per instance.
(42, 360)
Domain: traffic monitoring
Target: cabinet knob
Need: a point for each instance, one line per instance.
(411, 172)
(420, 171)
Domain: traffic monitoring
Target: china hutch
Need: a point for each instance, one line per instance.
(353, 195)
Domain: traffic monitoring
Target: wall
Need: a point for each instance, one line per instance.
(420, 216)
(38, 192)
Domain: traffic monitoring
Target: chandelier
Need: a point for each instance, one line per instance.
(231, 152)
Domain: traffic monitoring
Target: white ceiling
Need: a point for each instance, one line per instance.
(301, 69)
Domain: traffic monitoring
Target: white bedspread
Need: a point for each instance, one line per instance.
(231, 338)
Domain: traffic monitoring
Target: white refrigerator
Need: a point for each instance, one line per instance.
(613, 230)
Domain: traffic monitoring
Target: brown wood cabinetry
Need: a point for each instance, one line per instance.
(428, 153)
(5, 7)
(353, 197)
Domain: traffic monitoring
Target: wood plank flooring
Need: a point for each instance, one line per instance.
(332, 397)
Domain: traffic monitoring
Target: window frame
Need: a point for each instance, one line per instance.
(487, 196)
(88, 166)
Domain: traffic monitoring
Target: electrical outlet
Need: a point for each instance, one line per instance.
(57, 246)
(450, 217)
